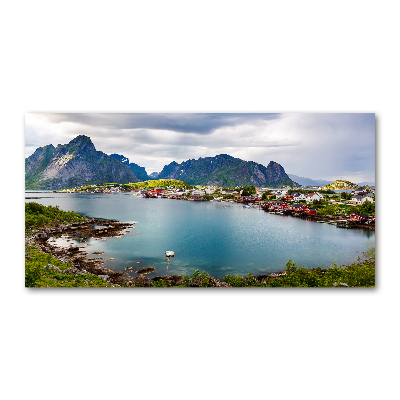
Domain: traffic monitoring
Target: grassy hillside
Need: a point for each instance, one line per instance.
(340, 185)
(161, 183)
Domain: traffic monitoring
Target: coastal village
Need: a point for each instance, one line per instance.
(354, 207)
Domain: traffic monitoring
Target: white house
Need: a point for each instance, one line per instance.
(299, 197)
(361, 199)
(360, 190)
(198, 192)
(314, 196)
(209, 190)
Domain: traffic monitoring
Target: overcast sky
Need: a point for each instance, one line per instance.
(317, 146)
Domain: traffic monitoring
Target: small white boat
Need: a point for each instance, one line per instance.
(169, 253)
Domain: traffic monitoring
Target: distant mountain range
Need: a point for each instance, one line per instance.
(74, 164)
(307, 181)
(366, 184)
(320, 182)
(154, 175)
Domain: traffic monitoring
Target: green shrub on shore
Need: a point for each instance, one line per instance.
(37, 276)
(234, 281)
(38, 216)
(33, 269)
(160, 283)
(360, 273)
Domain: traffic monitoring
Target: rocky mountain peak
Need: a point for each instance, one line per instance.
(81, 143)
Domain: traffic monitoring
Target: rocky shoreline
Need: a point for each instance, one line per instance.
(83, 264)
(77, 256)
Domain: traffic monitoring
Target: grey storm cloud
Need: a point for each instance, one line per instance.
(198, 123)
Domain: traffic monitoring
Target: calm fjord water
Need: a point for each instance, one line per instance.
(219, 238)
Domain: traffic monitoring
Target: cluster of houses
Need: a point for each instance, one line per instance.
(283, 207)
(288, 203)
(359, 196)
(308, 198)
(96, 189)
(189, 194)
(293, 202)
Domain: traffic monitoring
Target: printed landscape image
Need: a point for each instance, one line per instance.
(200, 200)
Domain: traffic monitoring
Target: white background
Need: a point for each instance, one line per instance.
(208, 56)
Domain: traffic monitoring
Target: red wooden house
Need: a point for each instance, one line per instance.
(358, 217)
(298, 207)
(279, 205)
(249, 199)
(311, 211)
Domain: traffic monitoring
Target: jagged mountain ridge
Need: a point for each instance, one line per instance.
(78, 163)
(74, 164)
(140, 172)
(225, 170)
